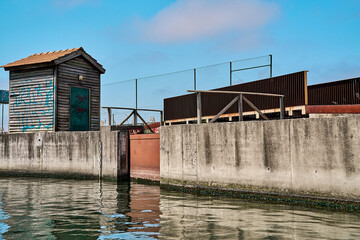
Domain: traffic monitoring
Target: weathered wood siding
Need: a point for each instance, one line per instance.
(31, 100)
(67, 77)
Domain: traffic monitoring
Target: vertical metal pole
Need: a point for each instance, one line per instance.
(135, 118)
(270, 65)
(199, 112)
(282, 108)
(136, 102)
(240, 106)
(109, 116)
(230, 73)
(194, 78)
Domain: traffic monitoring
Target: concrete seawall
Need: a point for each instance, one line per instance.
(61, 153)
(303, 157)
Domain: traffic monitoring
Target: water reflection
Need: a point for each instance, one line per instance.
(70, 209)
(191, 217)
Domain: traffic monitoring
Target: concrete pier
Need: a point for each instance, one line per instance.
(74, 154)
(304, 157)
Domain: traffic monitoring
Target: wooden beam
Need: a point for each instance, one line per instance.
(240, 106)
(139, 109)
(135, 118)
(67, 57)
(255, 108)
(93, 61)
(236, 92)
(306, 88)
(143, 121)
(282, 109)
(109, 116)
(225, 109)
(161, 118)
(127, 118)
(80, 52)
(199, 111)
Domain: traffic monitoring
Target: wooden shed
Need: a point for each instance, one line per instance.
(55, 91)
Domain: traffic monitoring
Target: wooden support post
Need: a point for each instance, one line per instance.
(255, 108)
(161, 118)
(135, 118)
(123, 156)
(282, 109)
(127, 118)
(240, 106)
(224, 109)
(199, 112)
(109, 116)
(143, 121)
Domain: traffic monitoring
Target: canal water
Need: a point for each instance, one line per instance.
(71, 209)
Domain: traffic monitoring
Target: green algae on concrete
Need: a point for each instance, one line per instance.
(261, 194)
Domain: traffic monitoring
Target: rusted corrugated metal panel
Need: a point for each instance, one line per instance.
(67, 77)
(332, 93)
(31, 100)
(180, 107)
(355, 108)
(293, 86)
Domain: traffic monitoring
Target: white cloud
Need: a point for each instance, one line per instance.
(188, 20)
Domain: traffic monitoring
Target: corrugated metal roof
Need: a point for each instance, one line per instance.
(41, 57)
(49, 57)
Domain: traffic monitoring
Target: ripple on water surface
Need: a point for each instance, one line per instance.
(72, 209)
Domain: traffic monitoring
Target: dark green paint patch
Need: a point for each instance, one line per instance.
(79, 109)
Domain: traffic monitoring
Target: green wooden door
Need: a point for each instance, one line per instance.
(79, 109)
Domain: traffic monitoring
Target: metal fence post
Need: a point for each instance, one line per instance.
(282, 108)
(240, 106)
(230, 73)
(270, 65)
(199, 112)
(136, 101)
(194, 78)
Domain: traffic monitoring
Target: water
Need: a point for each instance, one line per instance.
(72, 209)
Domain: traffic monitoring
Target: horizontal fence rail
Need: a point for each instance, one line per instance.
(135, 114)
(238, 99)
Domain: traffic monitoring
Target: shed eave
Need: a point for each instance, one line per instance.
(82, 53)
(29, 66)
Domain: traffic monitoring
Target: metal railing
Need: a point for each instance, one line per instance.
(238, 99)
(150, 92)
(135, 114)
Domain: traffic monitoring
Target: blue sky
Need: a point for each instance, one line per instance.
(134, 38)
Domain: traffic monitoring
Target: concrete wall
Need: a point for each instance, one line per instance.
(70, 153)
(310, 157)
